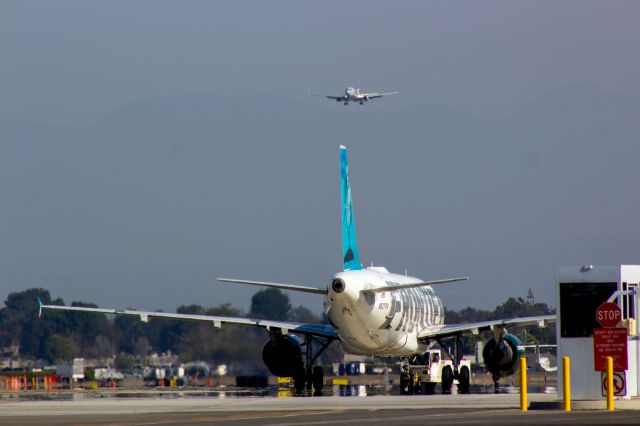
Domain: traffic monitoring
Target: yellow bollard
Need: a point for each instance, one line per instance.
(566, 382)
(609, 383)
(523, 384)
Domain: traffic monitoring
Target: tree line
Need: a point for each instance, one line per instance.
(62, 335)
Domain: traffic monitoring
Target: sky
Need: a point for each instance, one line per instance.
(90, 64)
(74, 61)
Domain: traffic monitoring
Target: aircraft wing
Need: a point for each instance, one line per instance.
(334, 97)
(321, 330)
(446, 330)
(375, 95)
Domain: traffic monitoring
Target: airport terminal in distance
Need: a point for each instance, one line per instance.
(401, 354)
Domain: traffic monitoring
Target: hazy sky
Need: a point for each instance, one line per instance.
(74, 61)
(148, 208)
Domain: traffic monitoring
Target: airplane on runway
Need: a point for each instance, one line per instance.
(370, 312)
(355, 95)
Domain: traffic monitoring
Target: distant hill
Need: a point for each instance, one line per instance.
(150, 203)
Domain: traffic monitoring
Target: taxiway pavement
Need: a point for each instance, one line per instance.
(500, 409)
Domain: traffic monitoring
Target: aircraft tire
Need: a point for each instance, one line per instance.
(299, 381)
(464, 380)
(447, 379)
(309, 379)
(318, 378)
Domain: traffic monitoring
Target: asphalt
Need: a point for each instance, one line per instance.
(494, 409)
(430, 416)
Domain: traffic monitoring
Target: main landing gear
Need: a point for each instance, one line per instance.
(311, 377)
(459, 372)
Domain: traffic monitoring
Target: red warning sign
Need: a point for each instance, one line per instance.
(619, 383)
(610, 342)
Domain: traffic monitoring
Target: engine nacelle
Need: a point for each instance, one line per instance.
(282, 356)
(501, 357)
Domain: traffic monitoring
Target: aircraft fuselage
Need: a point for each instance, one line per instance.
(381, 323)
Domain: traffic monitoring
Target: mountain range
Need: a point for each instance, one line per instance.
(145, 207)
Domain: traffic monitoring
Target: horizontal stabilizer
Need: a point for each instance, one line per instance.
(276, 285)
(412, 285)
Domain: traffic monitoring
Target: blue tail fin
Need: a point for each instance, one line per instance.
(350, 256)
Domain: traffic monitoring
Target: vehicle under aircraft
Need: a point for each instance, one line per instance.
(370, 312)
(352, 94)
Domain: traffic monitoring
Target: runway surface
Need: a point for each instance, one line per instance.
(339, 417)
(501, 409)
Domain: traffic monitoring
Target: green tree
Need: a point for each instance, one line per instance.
(303, 314)
(20, 325)
(271, 304)
(89, 325)
(59, 348)
(129, 330)
(238, 347)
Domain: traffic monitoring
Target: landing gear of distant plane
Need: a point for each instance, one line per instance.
(346, 103)
(361, 102)
(311, 377)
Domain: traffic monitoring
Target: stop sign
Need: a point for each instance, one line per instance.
(608, 314)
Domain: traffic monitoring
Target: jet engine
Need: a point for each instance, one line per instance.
(501, 354)
(282, 356)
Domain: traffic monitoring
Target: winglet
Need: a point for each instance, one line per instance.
(40, 304)
(350, 255)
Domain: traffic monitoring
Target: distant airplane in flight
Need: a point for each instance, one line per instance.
(370, 311)
(355, 95)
